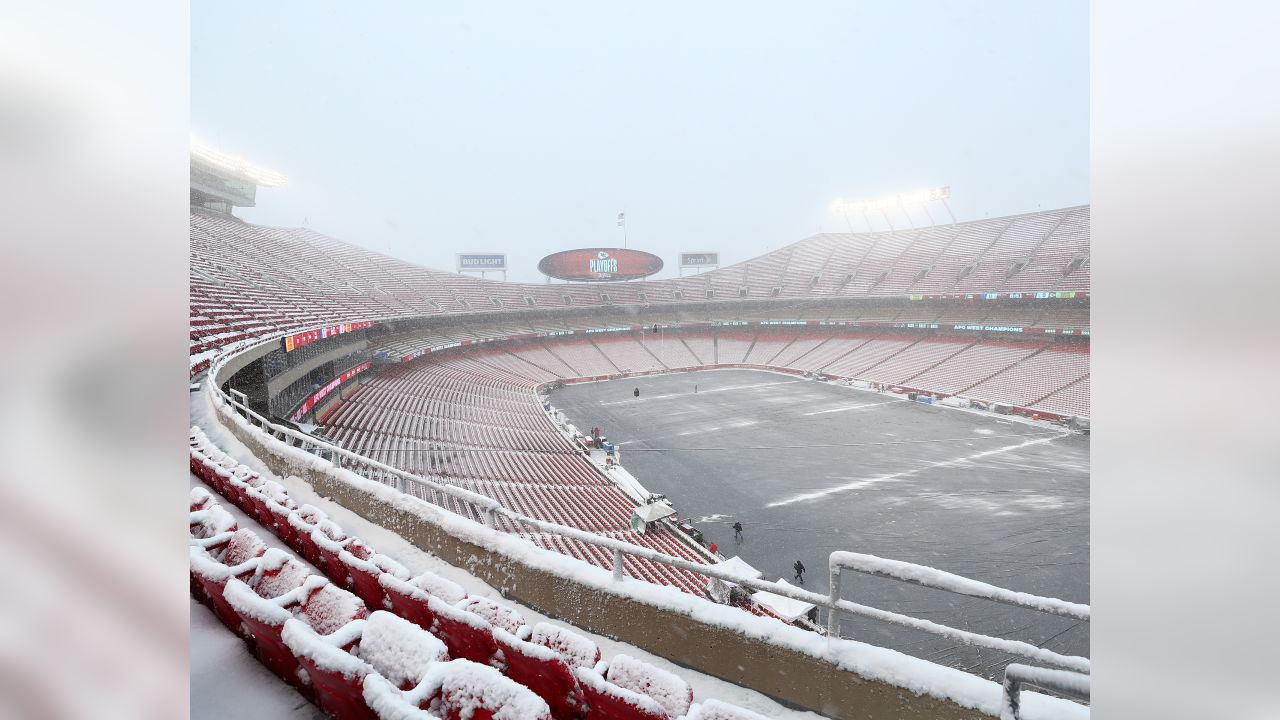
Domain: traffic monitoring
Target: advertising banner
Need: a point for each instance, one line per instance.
(699, 259)
(481, 261)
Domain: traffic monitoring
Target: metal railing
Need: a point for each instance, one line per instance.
(925, 576)
(1062, 682)
(484, 509)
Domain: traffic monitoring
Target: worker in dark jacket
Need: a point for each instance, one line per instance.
(636, 392)
(799, 566)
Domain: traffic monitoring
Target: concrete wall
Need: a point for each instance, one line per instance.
(789, 676)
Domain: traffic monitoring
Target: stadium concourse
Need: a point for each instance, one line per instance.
(419, 398)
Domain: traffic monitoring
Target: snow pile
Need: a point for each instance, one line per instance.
(577, 650)
(399, 650)
(669, 690)
(716, 710)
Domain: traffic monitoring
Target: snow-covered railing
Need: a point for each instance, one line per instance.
(488, 509)
(941, 580)
(1067, 684)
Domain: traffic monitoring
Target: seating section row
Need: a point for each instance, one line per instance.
(363, 639)
(472, 422)
(249, 282)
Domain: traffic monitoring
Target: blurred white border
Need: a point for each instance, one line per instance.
(93, 170)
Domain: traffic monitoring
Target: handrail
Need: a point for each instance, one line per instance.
(941, 580)
(490, 508)
(1069, 684)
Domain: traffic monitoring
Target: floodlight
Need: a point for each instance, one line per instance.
(259, 175)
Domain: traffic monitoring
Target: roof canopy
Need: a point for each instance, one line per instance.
(784, 607)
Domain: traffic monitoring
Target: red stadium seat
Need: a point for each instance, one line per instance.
(606, 701)
(499, 616)
(667, 689)
(457, 690)
(337, 664)
(302, 523)
(365, 576)
(322, 605)
(543, 671)
(466, 634)
(577, 650)
(209, 579)
(335, 675)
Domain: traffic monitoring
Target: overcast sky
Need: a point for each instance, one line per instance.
(425, 129)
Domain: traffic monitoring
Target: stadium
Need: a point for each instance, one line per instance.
(418, 493)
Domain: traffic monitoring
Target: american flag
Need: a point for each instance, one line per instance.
(622, 218)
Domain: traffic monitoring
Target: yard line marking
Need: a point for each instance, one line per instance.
(858, 484)
(850, 407)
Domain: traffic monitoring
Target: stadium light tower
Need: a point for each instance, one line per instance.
(231, 163)
(903, 202)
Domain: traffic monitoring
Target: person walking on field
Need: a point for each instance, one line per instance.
(636, 392)
(799, 567)
(737, 531)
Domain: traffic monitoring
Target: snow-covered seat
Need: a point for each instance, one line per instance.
(305, 521)
(542, 670)
(716, 710)
(241, 481)
(201, 499)
(320, 604)
(466, 634)
(336, 664)
(390, 703)
(605, 701)
(330, 541)
(298, 527)
(278, 572)
(498, 615)
(209, 578)
(363, 576)
(443, 588)
(458, 690)
(667, 689)
(577, 650)
(270, 504)
(212, 527)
